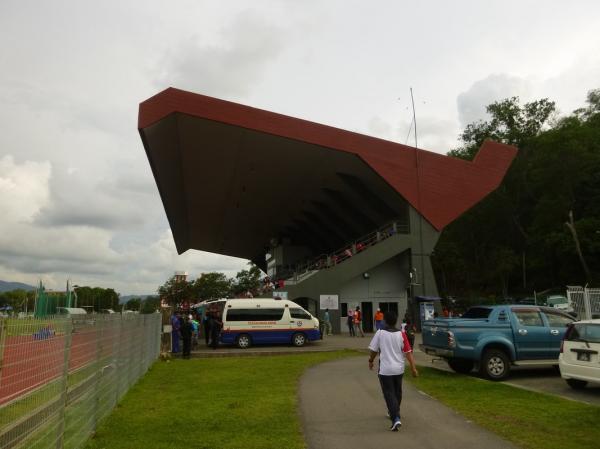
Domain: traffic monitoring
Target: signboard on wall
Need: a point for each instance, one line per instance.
(330, 302)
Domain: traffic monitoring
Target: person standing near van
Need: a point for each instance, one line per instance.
(358, 322)
(186, 337)
(351, 322)
(215, 329)
(393, 348)
(175, 327)
(326, 323)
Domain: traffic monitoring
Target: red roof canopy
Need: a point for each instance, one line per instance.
(440, 187)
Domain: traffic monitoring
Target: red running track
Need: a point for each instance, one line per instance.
(28, 363)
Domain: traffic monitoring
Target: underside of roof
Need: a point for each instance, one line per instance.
(232, 177)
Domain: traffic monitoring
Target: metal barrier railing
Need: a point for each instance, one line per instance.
(302, 270)
(60, 376)
(584, 301)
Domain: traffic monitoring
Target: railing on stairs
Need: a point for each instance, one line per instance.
(306, 269)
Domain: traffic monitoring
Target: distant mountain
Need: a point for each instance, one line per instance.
(125, 298)
(6, 286)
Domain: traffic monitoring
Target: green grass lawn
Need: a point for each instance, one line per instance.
(528, 419)
(247, 402)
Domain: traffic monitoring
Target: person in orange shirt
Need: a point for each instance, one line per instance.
(378, 319)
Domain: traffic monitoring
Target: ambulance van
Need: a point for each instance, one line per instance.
(248, 322)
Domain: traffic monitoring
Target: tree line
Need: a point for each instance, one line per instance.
(212, 285)
(540, 230)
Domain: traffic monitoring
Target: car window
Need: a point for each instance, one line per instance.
(254, 314)
(558, 319)
(299, 314)
(585, 331)
(528, 317)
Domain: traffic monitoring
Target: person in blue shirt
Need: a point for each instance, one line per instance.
(175, 329)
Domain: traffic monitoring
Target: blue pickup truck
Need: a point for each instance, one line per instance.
(494, 338)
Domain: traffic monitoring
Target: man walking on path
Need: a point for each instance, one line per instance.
(393, 347)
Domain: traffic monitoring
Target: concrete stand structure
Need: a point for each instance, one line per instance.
(327, 212)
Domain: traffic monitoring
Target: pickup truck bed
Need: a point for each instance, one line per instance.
(493, 338)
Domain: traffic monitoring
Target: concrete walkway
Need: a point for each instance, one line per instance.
(342, 407)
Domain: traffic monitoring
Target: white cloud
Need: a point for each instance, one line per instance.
(472, 103)
(76, 191)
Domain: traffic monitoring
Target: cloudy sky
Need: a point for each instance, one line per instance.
(77, 198)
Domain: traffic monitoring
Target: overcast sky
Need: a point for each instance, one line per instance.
(77, 197)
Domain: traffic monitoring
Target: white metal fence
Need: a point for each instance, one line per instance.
(585, 301)
(60, 376)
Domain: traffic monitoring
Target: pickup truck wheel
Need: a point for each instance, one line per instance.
(576, 384)
(495, 364)
(461, 366)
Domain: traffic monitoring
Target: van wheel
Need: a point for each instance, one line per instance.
(243, 341)
(576, 384)
(495, 364)
(298, 339)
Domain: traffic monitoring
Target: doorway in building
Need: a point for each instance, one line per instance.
(389, 306)
(367, 316)
(307, 304)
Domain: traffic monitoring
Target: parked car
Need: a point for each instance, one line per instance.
(494, 338)
(559, 302)
(579, 360)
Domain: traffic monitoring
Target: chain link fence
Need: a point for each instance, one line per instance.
(60, 376)
(585, 301)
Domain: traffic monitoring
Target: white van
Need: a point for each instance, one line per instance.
(264, 321)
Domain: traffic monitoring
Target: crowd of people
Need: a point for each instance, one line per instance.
(187, 328)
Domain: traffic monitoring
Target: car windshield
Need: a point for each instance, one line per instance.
(477, 312)
(586, 331)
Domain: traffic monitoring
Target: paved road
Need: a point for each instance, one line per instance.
(342, 407)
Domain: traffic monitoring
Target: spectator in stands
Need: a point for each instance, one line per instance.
(348, 252)
(359, 247)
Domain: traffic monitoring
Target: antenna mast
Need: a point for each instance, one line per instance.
(414, 117)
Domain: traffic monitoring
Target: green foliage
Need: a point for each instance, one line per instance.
(225, 403)
(176, 291)
(516, 241)
(247, 281)
(212, 286)
(19, 300)
(527, 419)
(96, 298)
(133, 304)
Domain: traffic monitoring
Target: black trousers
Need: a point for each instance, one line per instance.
(391, 387)
(187, 343)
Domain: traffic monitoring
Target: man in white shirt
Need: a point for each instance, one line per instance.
(393, 347)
